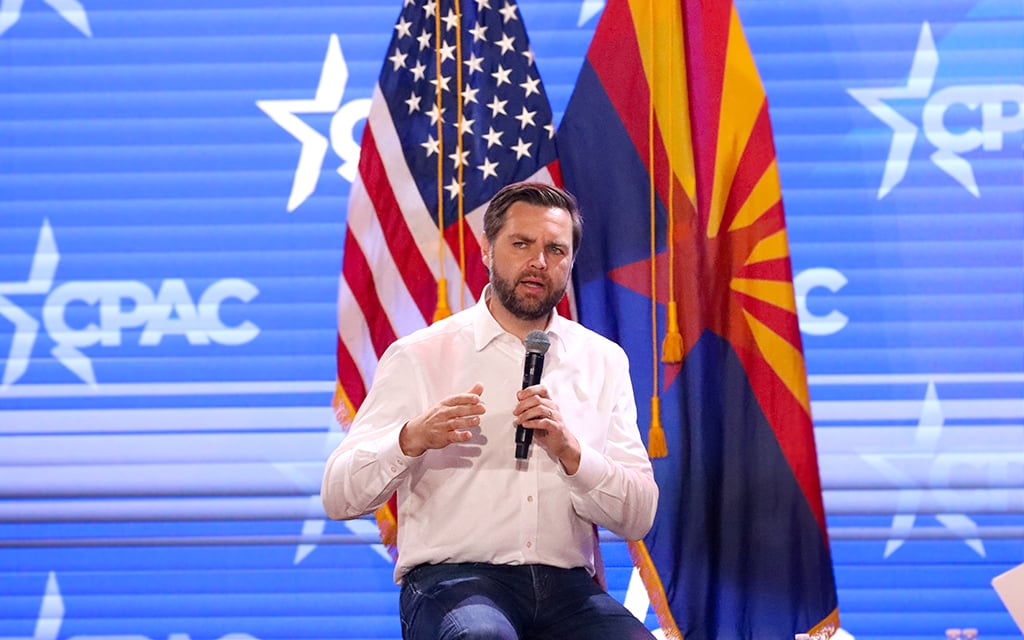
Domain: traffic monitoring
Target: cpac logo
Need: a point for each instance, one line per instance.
(170, 311)
(333, 78)
(995, 119)
(51, 617)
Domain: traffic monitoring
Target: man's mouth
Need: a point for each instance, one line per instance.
(534, 284)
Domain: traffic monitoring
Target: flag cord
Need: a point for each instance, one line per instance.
(672, 345)
(656, 447)
(441, 310)
(458, 161)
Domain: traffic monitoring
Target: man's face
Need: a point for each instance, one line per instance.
(531, 260)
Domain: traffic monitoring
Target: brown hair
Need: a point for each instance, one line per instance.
(535, 193)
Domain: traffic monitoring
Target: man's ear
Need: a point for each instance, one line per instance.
(485, 251)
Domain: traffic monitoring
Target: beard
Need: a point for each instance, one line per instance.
(525, 307)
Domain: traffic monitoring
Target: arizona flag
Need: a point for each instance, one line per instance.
(667, 144)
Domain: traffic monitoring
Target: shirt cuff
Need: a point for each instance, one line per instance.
(391, 455)
(592, 470)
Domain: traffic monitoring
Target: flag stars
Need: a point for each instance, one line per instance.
(442, 82)
(431, 145)
(531, 86)
(492, 137)
(473, 63)
(479, 32)
(482, 4)
(424, 40)
(413, 102)
(488, 169)
(459, 157)
(550, 128)
(501, 76)
(451, 21)
(402, 27)
(507, 43)
(418, 71)
(526, 118)
(466, 126)
(522, 149)
(508, 12)
(447, 51)
(497, 106)
(453, 188)
(469, 94)
(434, 114)
(528, 54)
(398, 59)
(429, 8)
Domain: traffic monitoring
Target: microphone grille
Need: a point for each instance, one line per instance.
(537, 342)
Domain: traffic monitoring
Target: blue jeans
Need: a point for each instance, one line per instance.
(506, 602)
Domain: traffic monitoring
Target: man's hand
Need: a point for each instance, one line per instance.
(443, 424)
(536, 410)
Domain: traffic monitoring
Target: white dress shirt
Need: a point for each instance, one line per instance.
(473, 501)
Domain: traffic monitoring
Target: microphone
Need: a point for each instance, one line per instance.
(537, 343)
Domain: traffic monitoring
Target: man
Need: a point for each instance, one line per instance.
(490, 546)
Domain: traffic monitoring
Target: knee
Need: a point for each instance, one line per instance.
(485, 630)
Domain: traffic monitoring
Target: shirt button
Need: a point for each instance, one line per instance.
(529, 544)
(529, 498)
(394, 468)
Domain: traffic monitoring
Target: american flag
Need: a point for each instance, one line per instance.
(421, 154)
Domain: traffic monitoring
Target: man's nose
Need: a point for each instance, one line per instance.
(539, 260)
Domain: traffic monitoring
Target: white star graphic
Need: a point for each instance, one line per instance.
(469, 94)
(333, 78)
(904, 132)
(70, 10)
(897, 469)
(26, 328)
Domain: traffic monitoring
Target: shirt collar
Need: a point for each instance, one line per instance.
(486, 329)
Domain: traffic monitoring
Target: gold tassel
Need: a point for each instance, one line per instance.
(656, 445)
(442, 311)
(672, 346)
